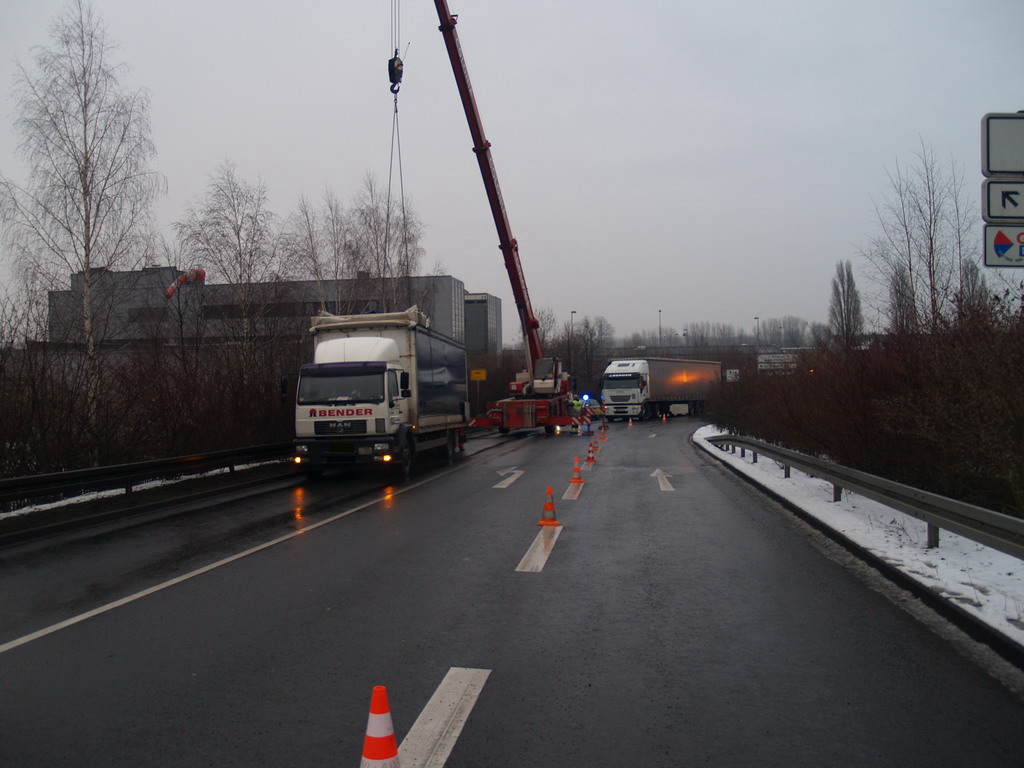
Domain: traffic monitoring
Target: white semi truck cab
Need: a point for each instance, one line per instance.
(624, 388)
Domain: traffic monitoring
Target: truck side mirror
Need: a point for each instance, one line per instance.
(403, 384)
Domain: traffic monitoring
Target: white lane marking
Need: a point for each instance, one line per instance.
(206, 568)
(432, 737)
(513, 475)
(572, 492)
(537, 555)
(663, 482)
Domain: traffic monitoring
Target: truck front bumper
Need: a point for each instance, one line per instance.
(622, 410)
(316, 453)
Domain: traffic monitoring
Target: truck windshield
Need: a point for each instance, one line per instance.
(621, 381)
(324, 384)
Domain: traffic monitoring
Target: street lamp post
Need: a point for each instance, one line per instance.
(572, 314)
(659, 331)
(757, 325)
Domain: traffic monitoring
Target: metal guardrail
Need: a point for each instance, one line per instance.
(64, 484)
(993, 529)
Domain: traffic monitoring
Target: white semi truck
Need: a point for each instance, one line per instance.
(649, 387)
(382, 388)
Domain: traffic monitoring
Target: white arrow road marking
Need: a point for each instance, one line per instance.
(432, 737)
(663, 482)
(513, 475)
(535, 557)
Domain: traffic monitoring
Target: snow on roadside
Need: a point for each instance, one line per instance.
(982, 581)
(144, 486)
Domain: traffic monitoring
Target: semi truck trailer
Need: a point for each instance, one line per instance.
(382, 389)
(649, 387)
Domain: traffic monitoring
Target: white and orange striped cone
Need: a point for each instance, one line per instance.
(664, 419)
(548, 515)
(604, 437)
(380, 749)
(590, 454)
(576, 476)
(630, 426)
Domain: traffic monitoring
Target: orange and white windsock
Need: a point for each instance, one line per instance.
(192, 276)
(380, 749)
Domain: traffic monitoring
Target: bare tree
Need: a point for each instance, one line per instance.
(591, 337)
(845, 318)
(230, 234)
(919, 256)
(87, 205)
(385, 244)
(902, 309)
(794, 331)
(316, 243)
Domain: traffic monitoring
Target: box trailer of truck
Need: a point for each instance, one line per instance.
(648, 387)
(382, 388)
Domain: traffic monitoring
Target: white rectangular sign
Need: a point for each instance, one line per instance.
(1002, 144)
(1002, 201)
(1004, 246)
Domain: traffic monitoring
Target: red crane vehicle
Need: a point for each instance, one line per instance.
(539, 397)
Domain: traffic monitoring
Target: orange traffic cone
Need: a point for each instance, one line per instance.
(664, 419)
(630, 423)
(604, 438)
(576, 476)
(548, 516)
(380, 750)
(590, 453)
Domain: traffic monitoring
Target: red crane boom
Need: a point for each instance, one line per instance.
(541, 394)
(482, 149)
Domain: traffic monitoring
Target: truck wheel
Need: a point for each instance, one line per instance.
(451, 445)
(406, 461)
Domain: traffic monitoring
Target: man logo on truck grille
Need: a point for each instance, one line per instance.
(324, 412)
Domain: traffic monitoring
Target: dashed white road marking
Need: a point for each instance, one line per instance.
(537, 555)
(432, 737)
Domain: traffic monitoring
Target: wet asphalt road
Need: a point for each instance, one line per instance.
(697, 626)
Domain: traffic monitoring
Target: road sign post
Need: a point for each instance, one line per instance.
(1002, 200)
(1004, 246)
(1002, 193)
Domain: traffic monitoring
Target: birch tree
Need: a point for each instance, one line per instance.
(230, 234)
(86, 207)
(385, 244)
(919, 256)
(316, 243)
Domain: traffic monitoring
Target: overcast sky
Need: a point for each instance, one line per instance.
(711, 160)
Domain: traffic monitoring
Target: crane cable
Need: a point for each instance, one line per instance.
(395, 68)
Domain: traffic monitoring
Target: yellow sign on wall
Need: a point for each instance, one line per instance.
(478, 374)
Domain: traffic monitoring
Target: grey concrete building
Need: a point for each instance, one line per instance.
(133, 307)
(483, 323)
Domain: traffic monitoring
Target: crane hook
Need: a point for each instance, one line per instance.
(395, 67)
